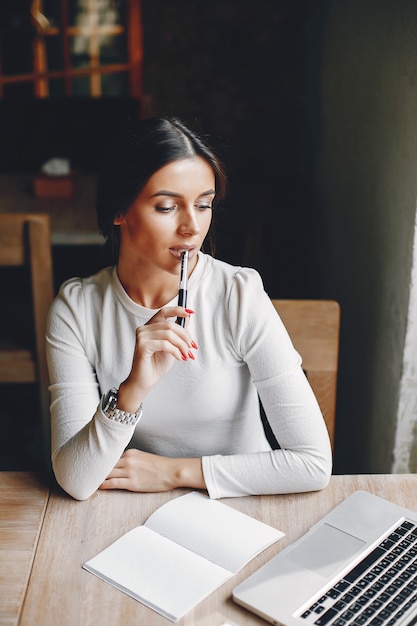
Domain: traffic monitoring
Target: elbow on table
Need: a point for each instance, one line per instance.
(322, 479)
(74, 490)
(308, 470)
(321, 473)
(319, 465)
(71, 484)
(312, 473)
(78, 494)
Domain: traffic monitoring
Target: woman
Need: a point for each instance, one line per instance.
(142, 403)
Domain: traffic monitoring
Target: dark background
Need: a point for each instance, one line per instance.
(239, 72)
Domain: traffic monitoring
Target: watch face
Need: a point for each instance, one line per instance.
(110, 400)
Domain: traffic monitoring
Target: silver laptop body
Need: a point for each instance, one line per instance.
(305, 583)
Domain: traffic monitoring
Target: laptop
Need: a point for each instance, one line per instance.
(357, 565)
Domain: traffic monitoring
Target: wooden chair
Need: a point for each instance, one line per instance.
(25, 243)
(314, 327)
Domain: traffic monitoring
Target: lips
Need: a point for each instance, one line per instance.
(176, 252)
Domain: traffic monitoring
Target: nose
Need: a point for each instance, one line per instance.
(189, 223)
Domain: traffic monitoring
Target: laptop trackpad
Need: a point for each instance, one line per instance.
(325, 550)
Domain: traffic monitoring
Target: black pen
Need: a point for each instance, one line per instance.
(182, 293)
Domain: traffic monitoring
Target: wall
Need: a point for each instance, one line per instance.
(364, 111)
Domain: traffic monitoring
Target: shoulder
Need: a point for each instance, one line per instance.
(78, 293)
(243, 308)
(238, 292)
(232, 278)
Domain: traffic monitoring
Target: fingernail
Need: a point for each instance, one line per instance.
(191, 355)
(189, 311)
(184, 358)
(195, 346)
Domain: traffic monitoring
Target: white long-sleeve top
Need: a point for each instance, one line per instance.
(206, 408)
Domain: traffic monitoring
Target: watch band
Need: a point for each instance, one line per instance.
(110, 410)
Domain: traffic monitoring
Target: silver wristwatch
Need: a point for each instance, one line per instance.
(110, 410)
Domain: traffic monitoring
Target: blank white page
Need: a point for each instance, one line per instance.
(161, 574)
(213, 529)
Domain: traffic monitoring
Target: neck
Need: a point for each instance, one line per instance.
(152, 293)
(151, 289)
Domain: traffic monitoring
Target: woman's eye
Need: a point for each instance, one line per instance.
(166, 209)
(203, 206)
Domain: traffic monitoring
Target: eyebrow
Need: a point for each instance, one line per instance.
(172, 194)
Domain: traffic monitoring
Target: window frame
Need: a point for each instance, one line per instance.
(41, 75)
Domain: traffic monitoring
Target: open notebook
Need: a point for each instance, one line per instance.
(185, 550)
(356, 566)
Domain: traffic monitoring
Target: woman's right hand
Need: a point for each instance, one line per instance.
(159, 343)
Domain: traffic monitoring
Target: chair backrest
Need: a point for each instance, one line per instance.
(25, 241)
(314, 327)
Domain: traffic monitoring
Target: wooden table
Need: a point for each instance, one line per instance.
(73, 220)
(23, 500)
(59, 534)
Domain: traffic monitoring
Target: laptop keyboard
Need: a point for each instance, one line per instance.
(376, 592)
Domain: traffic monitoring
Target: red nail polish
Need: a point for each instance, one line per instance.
(184, 358)
(191, 355)
(189, 311)
(195, 346)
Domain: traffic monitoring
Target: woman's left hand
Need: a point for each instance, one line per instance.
(142, 471)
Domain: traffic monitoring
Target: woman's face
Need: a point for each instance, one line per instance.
(172, 213)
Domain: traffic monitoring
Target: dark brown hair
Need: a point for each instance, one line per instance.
(139, 150)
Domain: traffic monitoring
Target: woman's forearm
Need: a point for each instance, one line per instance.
(84, 461)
